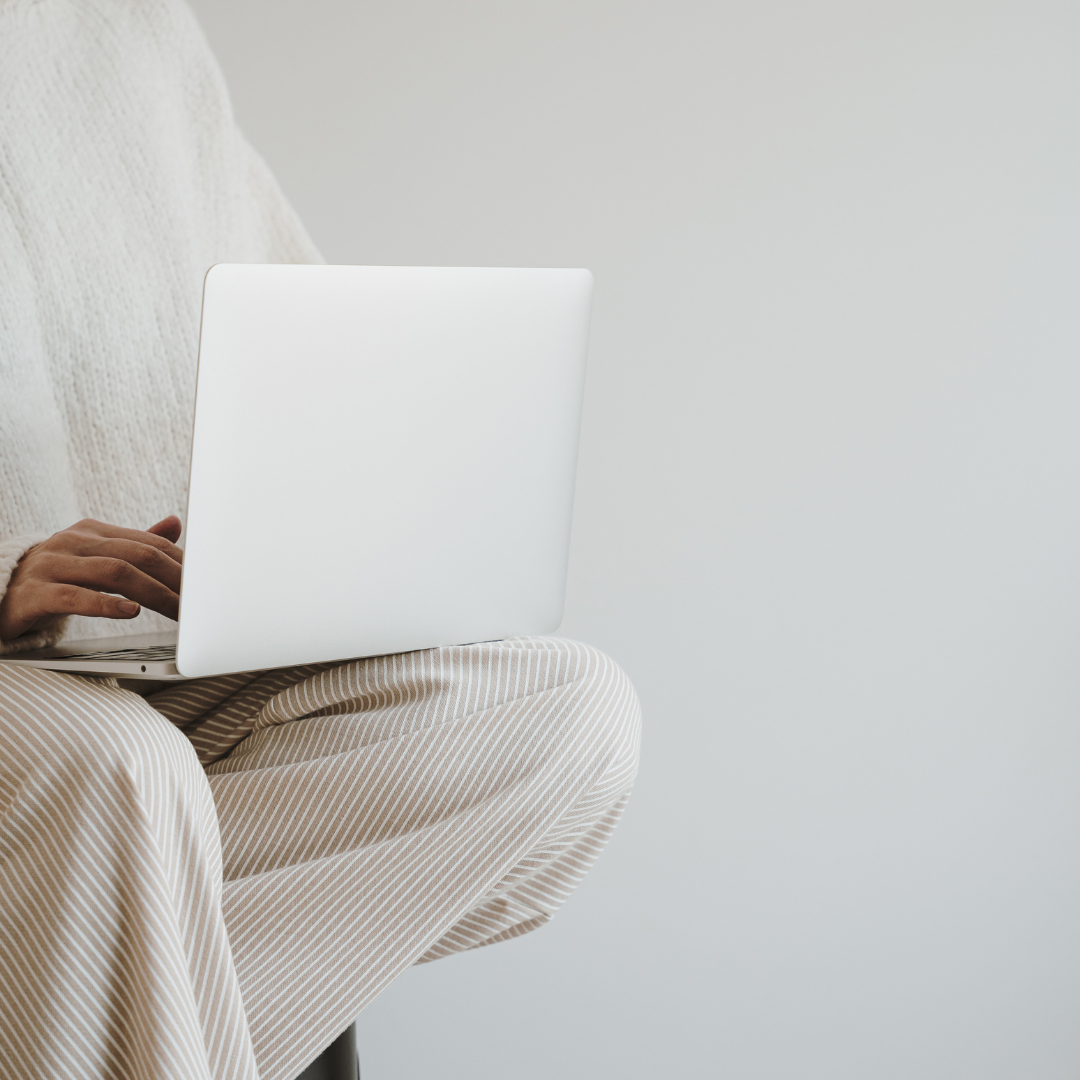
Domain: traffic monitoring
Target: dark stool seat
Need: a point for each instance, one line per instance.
(338, 1061)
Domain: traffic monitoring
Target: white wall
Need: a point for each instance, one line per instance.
(829, 503)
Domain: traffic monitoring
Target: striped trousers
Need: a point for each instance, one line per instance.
(211, 882)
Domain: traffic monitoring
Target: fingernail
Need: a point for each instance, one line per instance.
(128, 607)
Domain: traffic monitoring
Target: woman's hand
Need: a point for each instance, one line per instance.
(73, 572)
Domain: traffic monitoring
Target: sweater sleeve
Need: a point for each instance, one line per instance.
(11, 551)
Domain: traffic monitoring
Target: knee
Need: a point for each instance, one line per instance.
(603, 709)
(60, 731)
(99, 789)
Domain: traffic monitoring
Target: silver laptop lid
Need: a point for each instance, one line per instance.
(383, 460)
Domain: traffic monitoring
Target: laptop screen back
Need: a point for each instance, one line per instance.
(383, 460)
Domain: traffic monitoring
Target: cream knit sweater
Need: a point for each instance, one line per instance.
(123, 177)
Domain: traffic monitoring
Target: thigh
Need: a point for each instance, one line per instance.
(356, 754)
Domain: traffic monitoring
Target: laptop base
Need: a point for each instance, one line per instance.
(137, 656)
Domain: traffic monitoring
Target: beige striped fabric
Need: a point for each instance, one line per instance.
(212, 882)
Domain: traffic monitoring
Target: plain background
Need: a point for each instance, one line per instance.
(828, 511)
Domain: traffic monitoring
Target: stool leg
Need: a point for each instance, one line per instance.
(338, 1061)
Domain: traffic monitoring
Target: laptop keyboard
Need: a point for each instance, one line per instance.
(156, 653)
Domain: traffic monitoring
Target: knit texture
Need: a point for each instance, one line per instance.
(123, 178)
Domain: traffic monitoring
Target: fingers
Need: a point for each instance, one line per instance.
(98, 528)
(65, 599)
(75, 571)
(170, 528)
(143, 557)
(33, 606)
(112, 576)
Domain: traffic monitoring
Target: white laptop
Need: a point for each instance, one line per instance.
(383, 460)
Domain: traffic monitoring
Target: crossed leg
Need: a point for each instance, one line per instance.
(397, 809)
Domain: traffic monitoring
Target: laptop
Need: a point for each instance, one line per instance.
(383, 460)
